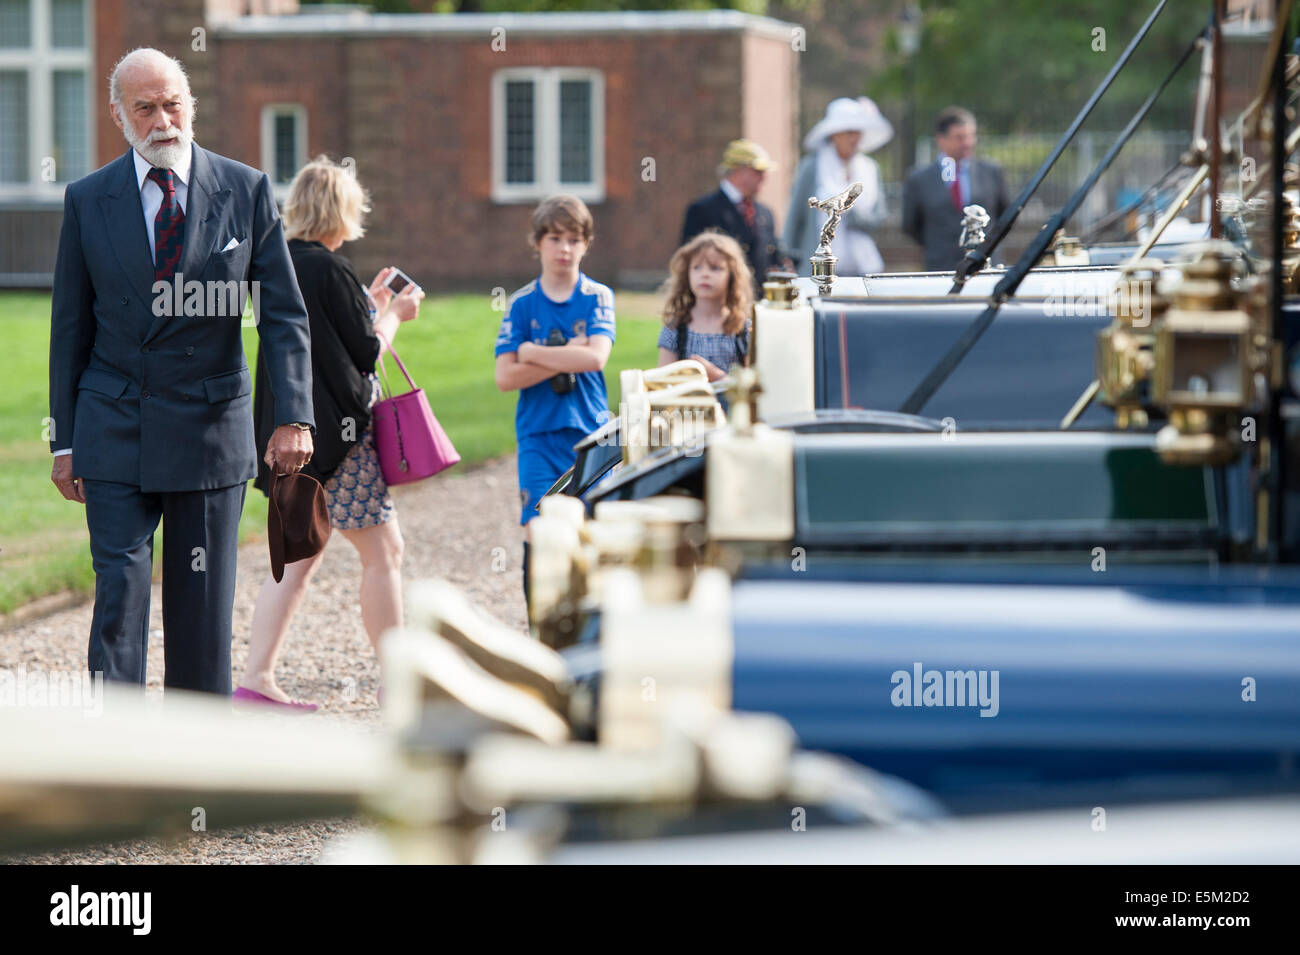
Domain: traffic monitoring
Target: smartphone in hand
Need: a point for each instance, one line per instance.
(397, 281)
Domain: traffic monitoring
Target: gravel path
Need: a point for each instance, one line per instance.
(452, 525)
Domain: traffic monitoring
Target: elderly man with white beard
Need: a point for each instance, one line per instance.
(150, 407)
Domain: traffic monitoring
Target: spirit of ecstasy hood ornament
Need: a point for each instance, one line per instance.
(822, 259)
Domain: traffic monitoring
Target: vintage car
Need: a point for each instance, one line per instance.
(1113, 581)
(1078, 483)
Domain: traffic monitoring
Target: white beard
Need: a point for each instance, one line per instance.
(163, 157)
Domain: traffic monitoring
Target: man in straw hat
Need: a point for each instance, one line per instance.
(935, 195)
(733, 209)
(837, 148)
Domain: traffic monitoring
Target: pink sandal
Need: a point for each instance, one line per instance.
(244, 695)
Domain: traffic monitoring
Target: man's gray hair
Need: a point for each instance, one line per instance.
(136, 56)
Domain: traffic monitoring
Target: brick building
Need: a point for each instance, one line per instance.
(457, 124)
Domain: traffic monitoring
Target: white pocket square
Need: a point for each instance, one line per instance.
(233, 243)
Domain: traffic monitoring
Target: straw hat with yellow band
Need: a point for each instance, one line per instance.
(745, 152)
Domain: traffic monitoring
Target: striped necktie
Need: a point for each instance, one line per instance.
(168, 227)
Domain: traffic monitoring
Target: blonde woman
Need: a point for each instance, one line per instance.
(351, 326)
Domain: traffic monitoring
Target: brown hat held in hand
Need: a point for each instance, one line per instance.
(298, 523)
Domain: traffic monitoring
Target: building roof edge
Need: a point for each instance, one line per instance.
(530, 24)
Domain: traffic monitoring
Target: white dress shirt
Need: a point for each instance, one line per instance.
(151, 194)
(732, 193)
(151, 198)
(963, 177)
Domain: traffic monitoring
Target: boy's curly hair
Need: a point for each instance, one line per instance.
(739, 301)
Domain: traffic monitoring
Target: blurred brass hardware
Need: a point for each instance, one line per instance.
(779, 290)
(743, 395)
(1290, 245)
(420, 667)
(681, 372)
(1125, 348)
(666, 561)
(1189, 439)
(659, 537)
(1068, 250)
(443, 609)
(1213, 358)
(557, 572)
(669, 653)
(666, 407)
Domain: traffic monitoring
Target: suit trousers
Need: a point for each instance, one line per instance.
(200, 549)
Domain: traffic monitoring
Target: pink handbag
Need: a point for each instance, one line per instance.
(410, 442)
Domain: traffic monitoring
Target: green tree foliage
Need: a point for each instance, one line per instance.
(1023, 65)
(586, 6)
(551, 6)
(1020, 65)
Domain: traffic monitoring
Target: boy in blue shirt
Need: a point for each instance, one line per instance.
(552, 348)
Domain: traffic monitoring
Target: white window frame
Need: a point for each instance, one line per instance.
(269, 113)
(40, 62)
(546, 123)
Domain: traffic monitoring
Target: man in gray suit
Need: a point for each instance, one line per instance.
(150, 395)
(934, 195)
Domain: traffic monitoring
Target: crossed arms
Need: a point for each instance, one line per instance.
(534, 363)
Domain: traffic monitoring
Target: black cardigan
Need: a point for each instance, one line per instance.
(344, 349)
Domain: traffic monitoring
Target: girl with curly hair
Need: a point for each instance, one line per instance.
(710, 301)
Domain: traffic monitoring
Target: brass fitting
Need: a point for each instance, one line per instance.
(1213, 358)
(1125, 348)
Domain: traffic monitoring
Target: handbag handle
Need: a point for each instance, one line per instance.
(388, 395)
(383, 372)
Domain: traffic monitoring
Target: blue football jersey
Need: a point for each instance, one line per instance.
(530, 317)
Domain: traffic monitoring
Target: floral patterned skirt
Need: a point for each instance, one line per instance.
(358, 496)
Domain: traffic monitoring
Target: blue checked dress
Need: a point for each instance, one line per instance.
(715, 347)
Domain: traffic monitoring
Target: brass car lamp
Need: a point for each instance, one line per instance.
(1205, 360)
(1126, 347)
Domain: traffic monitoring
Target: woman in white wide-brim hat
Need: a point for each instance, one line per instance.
(836, 158)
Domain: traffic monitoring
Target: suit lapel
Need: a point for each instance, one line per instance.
(207, 201)
(937, 183)
(124, 222)
(942, 189)
(204, 203)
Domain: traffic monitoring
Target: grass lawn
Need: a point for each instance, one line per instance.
(448, 351)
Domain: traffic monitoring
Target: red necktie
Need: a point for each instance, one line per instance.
(747, 210)
(168, 227)
(955, 188)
